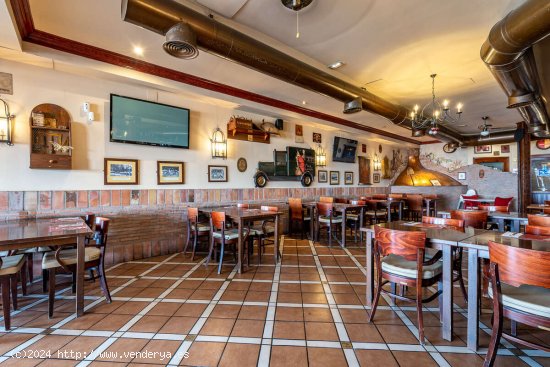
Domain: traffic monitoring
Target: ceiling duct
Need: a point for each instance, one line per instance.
(216, 38)
(508, 55)
(181, 42)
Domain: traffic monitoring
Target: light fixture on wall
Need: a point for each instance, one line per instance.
(376, 163)
(6, 125)
(320, 157)
(219, 144)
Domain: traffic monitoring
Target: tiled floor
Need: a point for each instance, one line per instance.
(306, 311)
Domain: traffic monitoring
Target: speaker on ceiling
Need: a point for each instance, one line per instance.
(279, 124)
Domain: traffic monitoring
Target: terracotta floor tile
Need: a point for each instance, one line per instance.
(241, 355)
(58, 363)
(317, 314)
(123, 345)
(355, 316)
(290, 297)
(48, 344)
(289, 287)
(248, 328)
(368, 358)
(217, 327)
(191, 309)
(284, 356)
(23, 362)
(204, 354)
(289, 314)
(225, 311)
(111, 322)
(84, 322)
(289, 330)
(234, 296)
(253, 312)
(80, 344)
(365, 333)
(157, 351)
(321, 331)
(463, 360)
(257, 296)
(397, 334)
(164, 309)
(149, 324)
(130, 308)
(314, 298)
(320, 357)
(414, 359)
(178, 325)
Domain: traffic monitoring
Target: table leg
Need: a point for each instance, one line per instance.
(362, 213)
(276, 242)
(370, 268)
(388, 208)
(79, 275)
(400, 210)
(435, 208)
(312, 223)
(447, 293)
(473, 289)
(500, 224)
(514, 224)
(343, 244)
(240, 247)
(428, 204)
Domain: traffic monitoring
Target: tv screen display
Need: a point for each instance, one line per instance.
(344, 150)
(137, 121)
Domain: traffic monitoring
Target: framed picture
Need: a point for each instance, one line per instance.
(322, 176)
(335, 177)
(317, 138)
(462, 176)
(170, 173)
(376, 177)
(299, 134)
(121, 171)
(364, 171)
(505, 148)
(496, 153)
(363, 148)
(435, 182)
(348, 178)
(479, 149)
(217, 173)
(241, 164)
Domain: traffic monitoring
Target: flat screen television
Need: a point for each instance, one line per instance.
(136, 121)
(344, 150)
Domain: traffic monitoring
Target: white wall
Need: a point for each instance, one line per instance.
(34, 85)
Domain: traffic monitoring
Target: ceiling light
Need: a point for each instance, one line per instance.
(304, 103)
(336, 65)
(138, 50)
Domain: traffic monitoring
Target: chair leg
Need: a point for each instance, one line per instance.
(103, 282)
(5, 281)
(13, 285)
(376, 296)
(30, 267)
(44, 280)
(221, 257)
(188, 240)
(210, 252)
(419, 312)
(195, 240)
(495, 340)
(73, 286)
(51, 292)
(24, 281)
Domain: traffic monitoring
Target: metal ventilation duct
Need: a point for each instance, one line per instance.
(181, 42)
(161, 15)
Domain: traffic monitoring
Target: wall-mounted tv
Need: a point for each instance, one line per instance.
(344, 150)
(136, 121)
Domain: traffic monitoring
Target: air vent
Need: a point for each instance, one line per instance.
(181, 42)
(353, 106)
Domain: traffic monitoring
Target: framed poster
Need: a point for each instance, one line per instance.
(480, 149)
(364, 171)
(348, 178)
(317, 138)
(335, 177)
(121, 171)
(322, 176)
(170, 173)
(505, 148)
(217, 173)
(299, 134)
(376, 177)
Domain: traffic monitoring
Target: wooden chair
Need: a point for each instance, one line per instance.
(396, 196)
(341, 200)
(353, 217)
(266, 231)
(10, 268)
(243, 206)
(374, 212)
(537, 230)
(94, 257)
(494, 208)
(415, 206)
(538, 220)
(195, 230)
(476, 219)
(326, 199)
(379, 196)
(222, 236)
(520, 289)
(457, 225)
(297, 215)
(326, 219)
(402, 258)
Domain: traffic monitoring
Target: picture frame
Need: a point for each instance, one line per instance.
(376, 177)
(462, 176)
(217, 173)
(505, 148)
(322, 176)
(317, 138)
(298, 134)
(120, 171)
(435, 182)
(481, 149)
(363, 148)
(170, 173)
(335, 177)
(348, 178)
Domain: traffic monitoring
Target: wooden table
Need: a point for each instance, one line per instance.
(538, 207)
(478, 249)
(515, 219)
(429, 203)
(242, 216)
(437, 236)
(23, 234)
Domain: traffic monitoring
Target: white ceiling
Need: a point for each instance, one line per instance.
(390, 47)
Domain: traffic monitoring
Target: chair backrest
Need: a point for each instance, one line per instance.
(193, 215)
(267, 208)
(546, 202)
(243, 205)
(365, 198)
(503, 202)
(341, 200)
(402, 243)
(295, 206)
(494, 208)
(470, 192)
(447, 222)
(414, 202)
(396, 196)
(217, 220)
(324, 209)
(538, 220)
(476, 219)
(517, 266)
(89, 218)
(101, 231)
(430, 196)
(379, 196)
(358, 202)
(326, 199)
(537, 230)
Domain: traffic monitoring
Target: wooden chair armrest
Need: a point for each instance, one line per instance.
(61, 262)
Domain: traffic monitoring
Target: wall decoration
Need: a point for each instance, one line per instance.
(364, 171)
(450, 148)
(6, 83)
(505, 148)
(292, 164)
(240, 128)
(435, 182)
(121, 171)
(317, 138)
(170, 173)
(449, 164)
(270, 128)
(397, 161)
(496, 153)
(481, 173)
(480, 149)
(363, 148)
(298, 134)
(379, 148)
(386, 168)
(376, 177)
(322, 176)
(335, 177)
(242, 165)
(462, 176)
(348, 178)
(217, 173)
(543, 144)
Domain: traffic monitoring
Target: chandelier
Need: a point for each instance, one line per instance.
(434, 113)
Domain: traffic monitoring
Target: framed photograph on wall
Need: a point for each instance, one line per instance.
(335, 177)
(376, 177)
(322, 176)
(462, 176)
(348, 178)
(298, 134)
(505, 148)
(121, 171)
(364, 171)
(217, 173)
(480, 149)
(170, 173)
(317, 138)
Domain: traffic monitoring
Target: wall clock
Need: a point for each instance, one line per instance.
(450, 148)
(241, 164)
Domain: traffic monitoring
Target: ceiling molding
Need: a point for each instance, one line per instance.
(28, 33)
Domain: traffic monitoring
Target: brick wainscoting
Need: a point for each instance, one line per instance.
(146, 223)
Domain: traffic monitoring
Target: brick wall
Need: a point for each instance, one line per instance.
(147, 223)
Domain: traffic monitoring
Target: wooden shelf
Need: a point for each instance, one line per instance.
(241, 129)
(50, 128)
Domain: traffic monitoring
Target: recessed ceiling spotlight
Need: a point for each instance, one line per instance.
(304, 102)
(462, 125)
(336, 65)
(138, 50)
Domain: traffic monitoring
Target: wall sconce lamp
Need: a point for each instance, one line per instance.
(320, 157)
(219, 144)
(6, 125)
(376, 163)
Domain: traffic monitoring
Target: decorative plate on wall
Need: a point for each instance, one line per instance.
(543, 144)
(241, 164)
